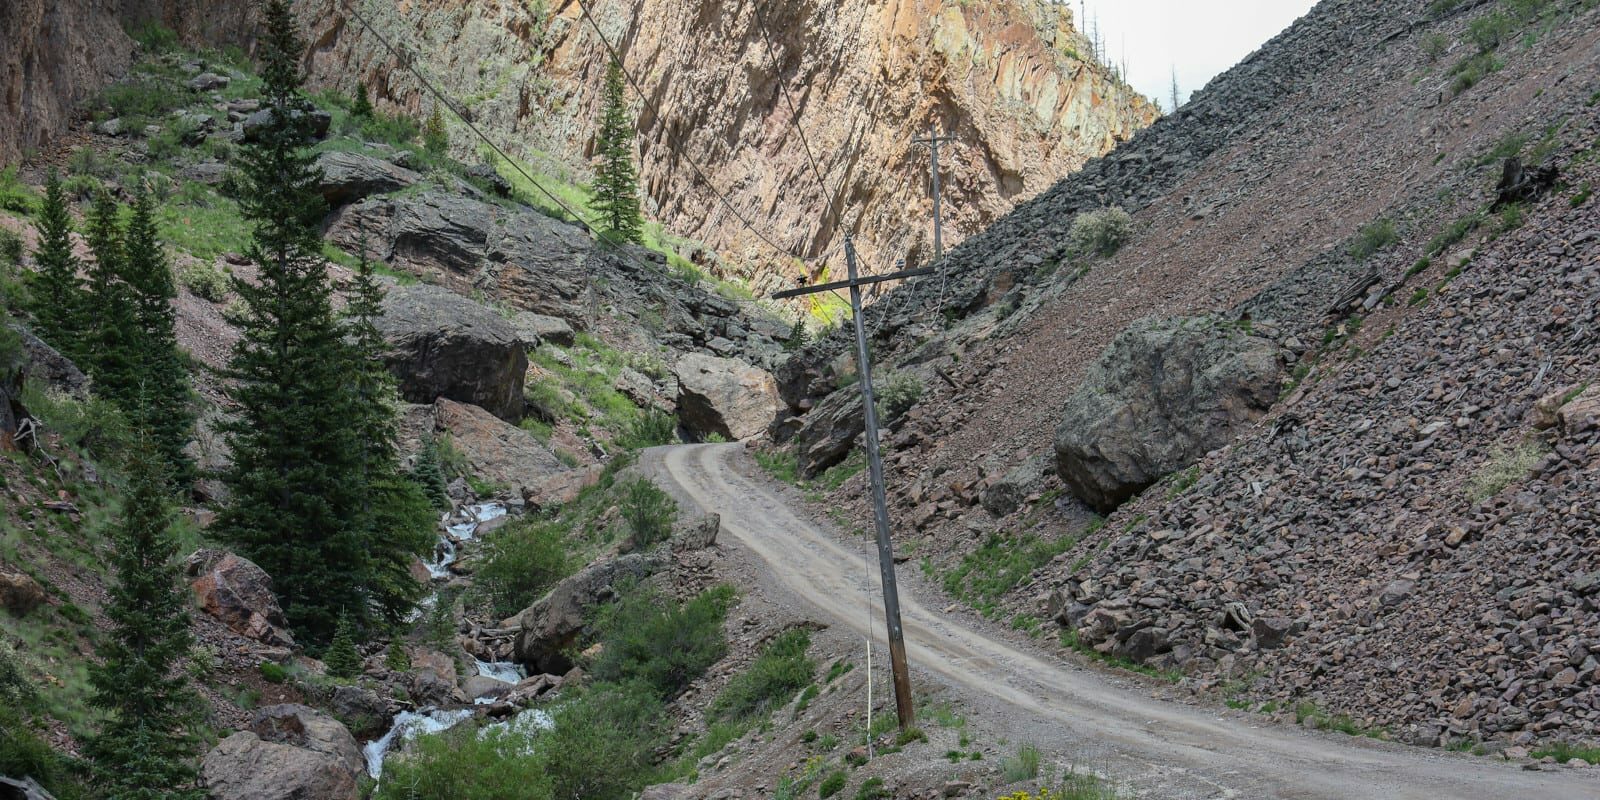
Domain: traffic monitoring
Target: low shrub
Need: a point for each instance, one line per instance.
(782, 669)
(649, 429)
(10, 249)
(467, 764)
(523, 560)
(832, 784)
(1024, 766)
(14, 196)
(648, 511)
(1506, 465)
(205, 281)
(1100, 233)
(1372, 237)
(898, 392)
(651, 640)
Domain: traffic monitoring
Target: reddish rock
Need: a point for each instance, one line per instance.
(233, 589)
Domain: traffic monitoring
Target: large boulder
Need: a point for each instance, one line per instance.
(537, 329)
(724, 396)
(829, 432)
(244, 767)
(348, 177)
(19, 594)
(547, 629)
(445, 345)
(495, 450)
(1163, 394)
(233, 589)
(47, 366)
(309, 729)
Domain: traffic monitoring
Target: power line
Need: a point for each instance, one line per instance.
(409, 64)
(699, 173)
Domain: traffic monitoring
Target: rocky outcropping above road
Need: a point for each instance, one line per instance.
(725, 397)
(445, 345)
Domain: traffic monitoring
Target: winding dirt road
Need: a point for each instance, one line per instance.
(1161, 748)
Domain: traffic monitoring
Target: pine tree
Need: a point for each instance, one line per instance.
(616, 183)
(111, 339)
(164, 406)
(295, 478)
(798, 335)
(428, 474)
(342, 659)
(1174, 89)
(362, 107)
(396, 658)
(435, 139)
(145, 751)
(395, 512)
(55, 294)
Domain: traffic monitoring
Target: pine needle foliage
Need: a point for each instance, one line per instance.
(163, 406)
(296, 474)
(435, 139)
(616, 182)
(361, 107)
(342, 659)
(111, 347)
(55, 294)
(146, 750)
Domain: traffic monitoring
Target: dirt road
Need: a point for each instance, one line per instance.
(1161, 749)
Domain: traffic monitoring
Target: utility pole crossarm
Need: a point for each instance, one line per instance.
(880, 506)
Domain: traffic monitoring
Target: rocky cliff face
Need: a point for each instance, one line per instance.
(56, 54)
(1008, 79)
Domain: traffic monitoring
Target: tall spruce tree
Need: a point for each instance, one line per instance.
(395, 510)
(146, 749)
(110, 336)
(616, 182)
(361, 107)
(55, 295)
(164, 406)
(295, 479)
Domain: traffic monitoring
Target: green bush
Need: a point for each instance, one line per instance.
(1024, 766)
(648, 511)
(10, 249)
(650, 429)
(648, 639)
(603, 746)
(782, 669)
(466, 764)
(154, 38)
(523, 561)
(389, 129)
(1372, 237)
(139, 102)
(14, 196)
(272, 672)
(1100, 233)
(205, 281)
(898, 392)
(1490, 31)
(832, 784)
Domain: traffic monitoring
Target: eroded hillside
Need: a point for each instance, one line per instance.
(1396, 338)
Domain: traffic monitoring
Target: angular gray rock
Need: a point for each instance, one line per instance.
(309, 729)
(539, 329)
(1008, 493)
(349, 177)
(244, 767)
(724, 396)
(1163, 394)
(445, 345)
(549, 627)
(253, 124)
(829, 432)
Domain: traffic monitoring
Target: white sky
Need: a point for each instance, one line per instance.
(1201, 38)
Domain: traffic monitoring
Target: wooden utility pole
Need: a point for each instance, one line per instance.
(933, 141)
(880, 507)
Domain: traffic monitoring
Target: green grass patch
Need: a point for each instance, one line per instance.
(1001, 564)
(1565, 751)
(781, 670)
(1372, 237)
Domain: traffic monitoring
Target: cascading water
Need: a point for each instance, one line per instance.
(407, 726)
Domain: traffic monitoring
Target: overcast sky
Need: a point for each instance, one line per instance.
(1200, 38)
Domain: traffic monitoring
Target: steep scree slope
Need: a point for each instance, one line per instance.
(1357, 555)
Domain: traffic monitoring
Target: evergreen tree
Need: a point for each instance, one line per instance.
(798, 335)
(428, 474)
(616, 183)
(111, 340)
(55, 294)
(295, 479)
(362, 107)
(145, 751)
(435, 139)
(164, 408)
(395, 512)
(342, 659)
